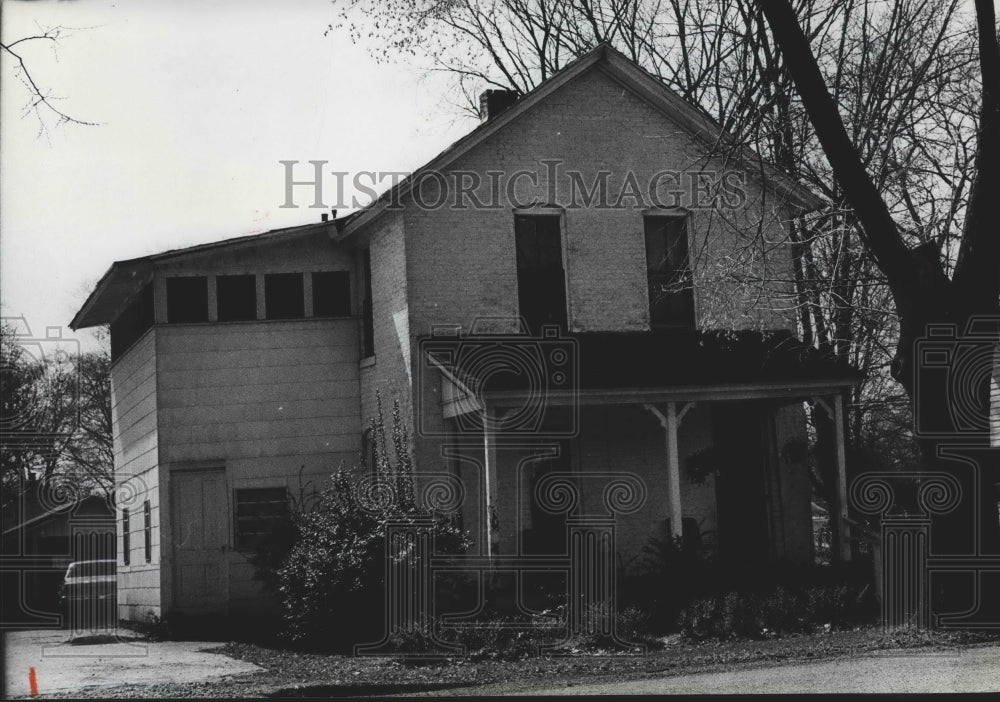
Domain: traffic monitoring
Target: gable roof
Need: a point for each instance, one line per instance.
(125, 278)
(617, 66)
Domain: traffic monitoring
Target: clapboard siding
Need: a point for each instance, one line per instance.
(137, 471)
(275, 375)
(332, 448)
(273, 335)
(133, 407)
(186, 398)
(284, 411)
(228, 391)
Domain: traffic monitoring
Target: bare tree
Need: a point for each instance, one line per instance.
(41, 101)
(927, 289)
(56, 420)
(89, 454)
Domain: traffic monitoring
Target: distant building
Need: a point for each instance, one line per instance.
(49, 534)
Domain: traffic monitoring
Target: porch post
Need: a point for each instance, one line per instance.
(670, 422)
(490, 479)
(674, 471)
(841, 455)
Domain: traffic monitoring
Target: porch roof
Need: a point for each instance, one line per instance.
(688, 357)
(688, 361)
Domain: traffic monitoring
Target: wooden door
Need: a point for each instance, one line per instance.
(200, 513)
(741, 501)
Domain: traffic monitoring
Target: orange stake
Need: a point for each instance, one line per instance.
(32, 682)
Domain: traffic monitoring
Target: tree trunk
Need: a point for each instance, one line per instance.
(924, 296)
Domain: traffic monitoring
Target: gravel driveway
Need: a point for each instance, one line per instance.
(62, 667)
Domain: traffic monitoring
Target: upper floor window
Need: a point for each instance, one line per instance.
(132, 323)
(236, 296)
(187, 299)
(331, 292)
(284, 297)
(541, 279)
(668, 273)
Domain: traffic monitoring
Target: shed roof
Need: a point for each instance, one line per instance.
(125, 278)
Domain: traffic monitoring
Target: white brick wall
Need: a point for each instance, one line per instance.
(461, 263)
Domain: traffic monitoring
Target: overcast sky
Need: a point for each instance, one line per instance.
(197, 102)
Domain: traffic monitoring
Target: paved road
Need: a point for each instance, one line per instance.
(967, 670)
(62, 667)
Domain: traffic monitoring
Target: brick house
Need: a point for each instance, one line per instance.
(606, 293)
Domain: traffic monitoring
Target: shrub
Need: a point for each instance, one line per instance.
(703, 597)
(507, 638)
(330, 586)
(783, 610)
(667, 578)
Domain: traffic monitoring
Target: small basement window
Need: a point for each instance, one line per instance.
(237, 297)
(147, 531)
(259, 512)
(331, 294)
(126, 538)
(284, 297)
(187, 299)
(367, 310)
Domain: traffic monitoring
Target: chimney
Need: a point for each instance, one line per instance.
(493, 102)
(324, 216)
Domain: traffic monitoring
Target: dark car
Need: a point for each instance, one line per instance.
(88, 594)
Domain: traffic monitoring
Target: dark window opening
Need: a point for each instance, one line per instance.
(541, 280)
(187, 299)
(126, 538)
(133, 322)
(236, 296)
(547, 533)
(331, 294)
(284, 297)
(260, 514)
(147, 528)
(671, 297)
(368, 314)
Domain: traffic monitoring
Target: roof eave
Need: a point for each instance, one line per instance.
(84, 317)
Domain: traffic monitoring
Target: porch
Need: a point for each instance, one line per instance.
(710, 439)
